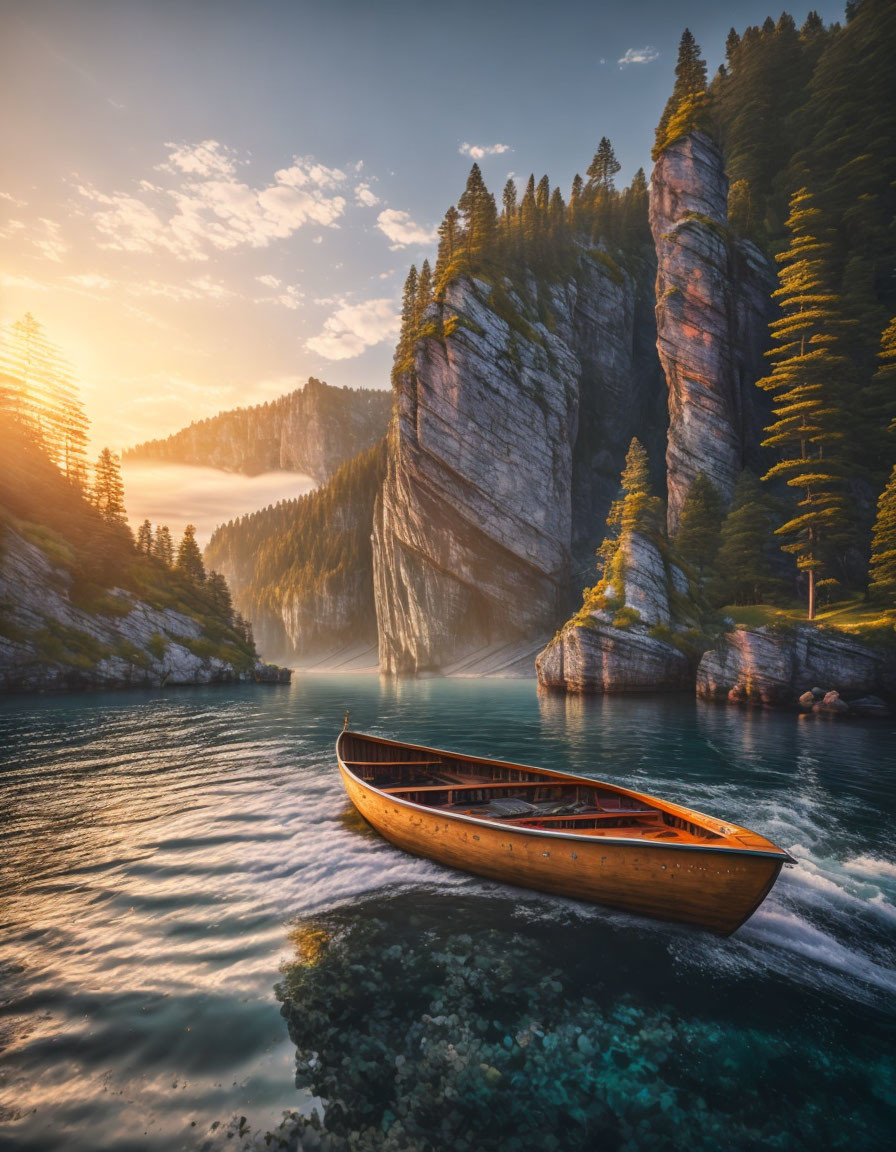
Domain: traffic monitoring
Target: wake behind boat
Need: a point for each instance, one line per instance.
(560, 833)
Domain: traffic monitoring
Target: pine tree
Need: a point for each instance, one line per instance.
(189, 558)
(809, 422)
(687, 107)
(543, 197)
(219, 596)
(557, 214)
(163, 546)
(529, 214)
(508, 200)
(603, 168)
(882, 572)
(449, 246)
(744, 573)
(636, 509)
(697, 539)
(108, 489)
(408, 332)
(424, 294)
(41, 394)
(879, 403)
(144, 538)
(480, 218)
(575, 202)
(635, 219)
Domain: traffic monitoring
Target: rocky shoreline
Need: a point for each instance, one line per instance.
(51, 643)
(804, 667)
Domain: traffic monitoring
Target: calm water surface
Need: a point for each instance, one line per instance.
(162, 851)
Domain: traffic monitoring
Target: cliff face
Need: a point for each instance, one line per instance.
(302, 571)
(773, 669)
(474, 530)
(47, 641)
(629, 644)
(712, 313)
(312, 430)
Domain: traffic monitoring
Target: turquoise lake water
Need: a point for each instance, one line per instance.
(166, 858)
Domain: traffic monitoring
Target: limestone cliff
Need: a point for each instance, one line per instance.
(775, 667)
(49, 641)
(712, 312)
(631, 635)
(301, 571)
(505, 448)
(312, 430)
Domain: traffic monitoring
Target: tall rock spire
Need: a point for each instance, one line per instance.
(712, 310)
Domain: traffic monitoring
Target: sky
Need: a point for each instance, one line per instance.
(204, 202)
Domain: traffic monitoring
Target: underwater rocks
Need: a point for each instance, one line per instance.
(433, 1028)
(784, 668)
(712, 310)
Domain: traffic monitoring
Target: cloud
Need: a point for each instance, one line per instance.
(91, 280)
(477, 151)
(637, 56)
(199, 288)
(213, 209)
(7, 281)
(49, 242)
(289, 297)
(352, 328)
(206, 159)
(401, 229)
(365, 197)
(13, 200)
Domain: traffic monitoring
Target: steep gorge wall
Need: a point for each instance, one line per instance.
(312, 430)
(489, 483)
(713, 307)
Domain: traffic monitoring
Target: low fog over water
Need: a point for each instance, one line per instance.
(181, 494)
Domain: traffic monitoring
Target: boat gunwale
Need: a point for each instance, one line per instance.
(731, 850)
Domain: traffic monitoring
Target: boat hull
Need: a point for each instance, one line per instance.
(712, 888)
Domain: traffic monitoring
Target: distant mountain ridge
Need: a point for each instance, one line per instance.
(311, 430)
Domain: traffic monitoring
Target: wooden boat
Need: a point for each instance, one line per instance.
(560, 833)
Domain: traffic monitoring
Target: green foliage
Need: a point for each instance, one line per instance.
(39, 392)
(687, 109)
(129, 651)
(626, 616)
(743, 568)
(65, 645)
(157, 646)
(108, 490)
(93, 556)
(809, 411)
(144, 538)
(814, 108)
(882, 588)
(603, 168)
(697, 539)
(308, 551)
(189, 558)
